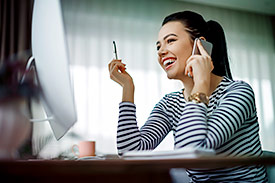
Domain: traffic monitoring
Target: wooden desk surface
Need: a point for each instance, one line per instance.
(113, 170)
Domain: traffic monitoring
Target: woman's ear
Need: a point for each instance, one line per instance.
(203, 38)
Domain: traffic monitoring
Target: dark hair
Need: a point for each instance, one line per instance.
(196, 26)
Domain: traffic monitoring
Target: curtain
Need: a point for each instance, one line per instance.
(92, 25)
(15, 40)
(15, 31)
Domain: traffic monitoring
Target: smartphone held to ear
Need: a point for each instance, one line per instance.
(206, 45)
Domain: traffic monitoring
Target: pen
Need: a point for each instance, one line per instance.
(115, 52)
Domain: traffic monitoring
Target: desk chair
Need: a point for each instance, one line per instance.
(270, 169)
(179, 175)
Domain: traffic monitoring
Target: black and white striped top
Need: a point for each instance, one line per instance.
(228, 125)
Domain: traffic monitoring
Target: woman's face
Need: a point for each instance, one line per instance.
(174, 47)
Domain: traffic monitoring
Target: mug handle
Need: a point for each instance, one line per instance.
(73, 149)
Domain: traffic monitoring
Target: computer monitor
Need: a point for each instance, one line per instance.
(50, 52)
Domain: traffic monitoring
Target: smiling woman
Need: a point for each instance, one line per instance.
(173, 39)
(212, 111)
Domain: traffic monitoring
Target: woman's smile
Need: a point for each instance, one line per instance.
(168, 62)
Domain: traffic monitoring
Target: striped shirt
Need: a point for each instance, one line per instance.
(229, 125)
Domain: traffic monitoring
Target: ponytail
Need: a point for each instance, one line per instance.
(215, 35)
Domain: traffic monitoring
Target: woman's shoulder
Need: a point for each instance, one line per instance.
(240, 91)
(234, 85)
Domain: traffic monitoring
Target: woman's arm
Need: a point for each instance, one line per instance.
(195, 128)
(128, 93)
(129, 137)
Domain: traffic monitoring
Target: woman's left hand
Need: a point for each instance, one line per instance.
(200, 68)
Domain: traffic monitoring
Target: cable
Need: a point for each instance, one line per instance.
(41, 120)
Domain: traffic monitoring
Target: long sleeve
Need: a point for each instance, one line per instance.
(234, 112)
(130, 137)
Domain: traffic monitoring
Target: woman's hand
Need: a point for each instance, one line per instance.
(200, 68)
(118, 73)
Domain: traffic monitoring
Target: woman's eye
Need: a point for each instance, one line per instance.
(158, 47)
(171, 40)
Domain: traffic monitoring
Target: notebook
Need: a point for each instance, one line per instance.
(184, 153)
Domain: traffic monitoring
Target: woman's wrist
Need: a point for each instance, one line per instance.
(201, 87)
(128, 93)
(199, 98)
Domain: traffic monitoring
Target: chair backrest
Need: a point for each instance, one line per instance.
(270, 169)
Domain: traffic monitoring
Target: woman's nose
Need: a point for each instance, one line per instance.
(162, 51)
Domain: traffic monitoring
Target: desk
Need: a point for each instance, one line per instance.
(113, 170)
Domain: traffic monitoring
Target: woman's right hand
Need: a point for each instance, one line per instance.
(118, 73)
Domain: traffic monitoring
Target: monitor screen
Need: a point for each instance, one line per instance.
(50, 52)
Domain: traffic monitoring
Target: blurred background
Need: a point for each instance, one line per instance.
(92, 25)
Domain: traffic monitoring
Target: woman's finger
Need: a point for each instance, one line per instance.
(114, 74)
(116, 67)
(113, 62)
(188, 67)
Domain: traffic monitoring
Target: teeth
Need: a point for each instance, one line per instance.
(166, 62)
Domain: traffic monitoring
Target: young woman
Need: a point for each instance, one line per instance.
(212, 111)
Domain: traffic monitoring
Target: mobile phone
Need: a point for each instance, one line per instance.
(206, 45)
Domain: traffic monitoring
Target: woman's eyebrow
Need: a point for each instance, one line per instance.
(165, 37)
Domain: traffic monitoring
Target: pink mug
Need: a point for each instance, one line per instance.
(85, 148)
